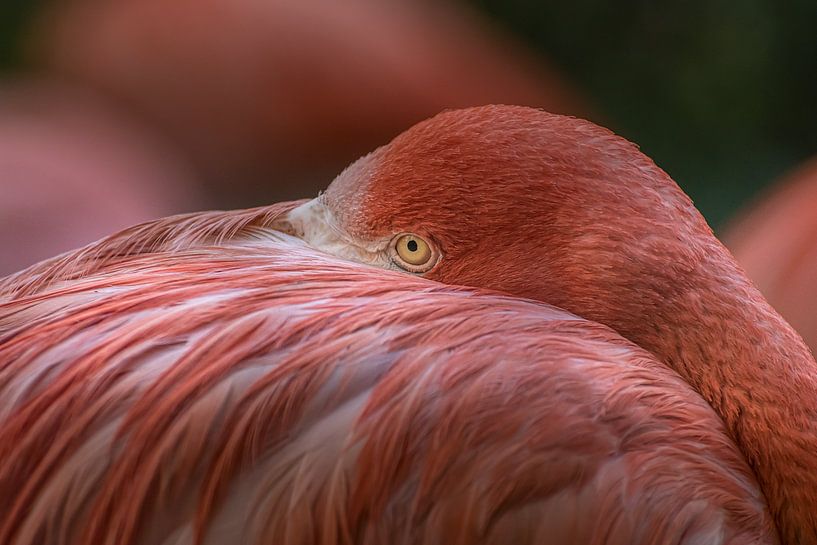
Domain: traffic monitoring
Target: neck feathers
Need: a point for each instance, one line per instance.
(725, 340)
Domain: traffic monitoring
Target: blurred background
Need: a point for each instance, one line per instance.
(117, 111)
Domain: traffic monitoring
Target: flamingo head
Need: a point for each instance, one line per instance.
(513, 199)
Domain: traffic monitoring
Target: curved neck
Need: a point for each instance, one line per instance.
(726, 341)
(633, 253)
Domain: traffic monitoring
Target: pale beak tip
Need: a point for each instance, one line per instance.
(294, 220)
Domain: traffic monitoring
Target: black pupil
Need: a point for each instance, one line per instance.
(412, 245)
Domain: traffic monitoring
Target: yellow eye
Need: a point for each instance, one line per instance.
(413, 253)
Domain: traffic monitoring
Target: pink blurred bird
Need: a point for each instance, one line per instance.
(274, 96)
(210, 379)
(776, 242)
(73, 170)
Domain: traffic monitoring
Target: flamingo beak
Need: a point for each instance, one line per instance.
(310, 221)
(314, 223)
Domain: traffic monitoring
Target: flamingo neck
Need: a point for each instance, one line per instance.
(726, 341)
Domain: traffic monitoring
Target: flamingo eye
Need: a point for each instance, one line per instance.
(413, 253)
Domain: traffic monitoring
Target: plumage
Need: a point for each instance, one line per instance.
(262, 393)
(207, 379)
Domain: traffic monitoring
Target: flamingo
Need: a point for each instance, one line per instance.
(505, 326)
(776, 242)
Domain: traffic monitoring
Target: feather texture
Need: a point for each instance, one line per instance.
(206, 380)
(263, 393)
(162, 235)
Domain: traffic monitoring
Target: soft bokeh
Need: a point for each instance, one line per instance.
(277, 96)
(776, 242)
(254, 101)
(73, 171)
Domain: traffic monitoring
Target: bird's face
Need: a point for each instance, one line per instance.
(319, 225)
(504, 198)
(446, 198)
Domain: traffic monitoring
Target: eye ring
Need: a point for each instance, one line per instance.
(413, 253)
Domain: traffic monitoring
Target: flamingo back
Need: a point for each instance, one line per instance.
(261, 392)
